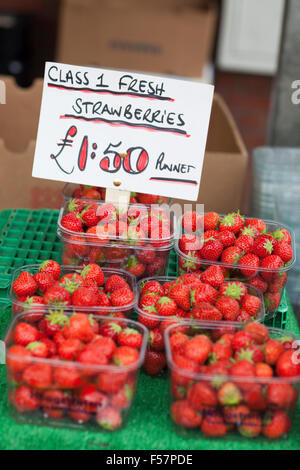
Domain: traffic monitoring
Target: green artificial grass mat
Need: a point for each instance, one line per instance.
(149, 426)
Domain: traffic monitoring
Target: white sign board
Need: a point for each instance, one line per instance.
(123, 130)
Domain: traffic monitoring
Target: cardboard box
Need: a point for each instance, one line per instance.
(161, 36)
(18, 128)
(223, 176)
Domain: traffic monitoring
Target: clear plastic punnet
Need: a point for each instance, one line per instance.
(137, 237)
(250, 393)
(84, 376)
(64, 293)
(260, 252)
(165, 300)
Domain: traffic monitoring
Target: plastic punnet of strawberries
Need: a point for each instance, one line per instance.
(226, 380)
(82, 369)
(252, 249)
(51, 286)
(98, 193)
(204, 296)
(137, 238)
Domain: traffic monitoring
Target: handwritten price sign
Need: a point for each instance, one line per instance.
(121, 129)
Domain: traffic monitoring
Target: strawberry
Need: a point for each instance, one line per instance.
(125, 355)
(17, 358)
(152, 287)
(272, 350)
(177, 342)
(54, 322)
(90, 193)
(252, 354)
(220, 350)
(155, 361)
(254, 397)
(284, 251)
(259, 283)
(38, 349)
(135, 267)
(191, 222)
(148, 300)
(122, 297)
(54, 403)
(201, 394)
(38, 375)
(251, 304)
(281, 395)
(235, 289)
(211, 249)
(115, 282)
(123, 398)
(264, 245)
(241, 339)
(156, 267)
(181, 295)
(213, 276)
(251, 425)
(249, 264)
(69, 349)
(111, 382)
(213, 425)
(89, 216)
(235, 414)
(272, 301)
(92, 399)
(263, 370)
(226, 237)
(198, 348)
(232, 221)
(257, 224)
(79, 327)
(275, 424)
(211, 220)
(149, 317)
(166, 306)
(185, 364)
(103, 299)
(84, 297)
(288, 364)
(130, 337)
(184, 415)
(245, 243)
(51, 346)
(25, 284)
(258, 332)
(67, 377)
(270, 264)
(205, 311)
(93, 272)
(243, 316)
(156, 340)
(25, 399)
(231, 255)
(75, 205)
(44, 280)
(72, 222)
(57, 296)
(190, 279)
(190, 263)
(51, 267)
(189, 242)
(277, 283)
(203, 293)
(110, 329)
(229, 394)
(147, 254)
(25, 334)
(78, 413)
(229, 307)
(281, 234)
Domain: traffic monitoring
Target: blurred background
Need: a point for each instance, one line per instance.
(249, 49)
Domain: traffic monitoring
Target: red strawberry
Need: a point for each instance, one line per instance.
(152, 287)
(205, 311)
(263, 370)
(181, 295)
(259, 283)
(288, 364)
(249, 264)
(156, 267)
(72, 222)
(213, 425)
(121, 297)
(232, 221)
(69, 349)
(281, 395)
(264, 245)
(44, 280)
(67, 377)
(251, 425)
(103, 299)
(226, 237)
(57, 296)
(198, 348)
(201, 394)
(84, 297)
(79, 327)
(54, 322)
(135, 267)
(254, 397)
(24, 285)
(89, 216)
(147, 254)
(148, 300)
(191, 221)
(241, 339)
(76, 205)
(149, 317)
(235, 289)
(17, 358)
(38, 349)
(189, 263)
(155, 361)
(51, 346)
(281, 234)
(258, 332)
(25, 399)
(235, 414)
(93, 272)
(156, 340)
(110, 329)
(211, 249)
(272, 350)
(277, 283)
(231, 255)
(257, 224)
(51, 267)
(38, 375)
(111, 382)
(245, 243)
(275, 424)
(251, 304)
(213, 276)
(243, 316)
(220, 350)
(25, 334)
(272, 301)
(211, 220)
(184, 364)
(270, 264)
(284, 250)
(166, 306)
(252, 354)
(125, 355)
(130, 337)
(109, 418)
(229, 307)
(115, 282)
(189, 242)
(203, 293)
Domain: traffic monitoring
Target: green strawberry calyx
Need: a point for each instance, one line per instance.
(245, 354)
(234, 290)
(57, 317)
(33, 345)
(70, 285)
(130, 331)
(231, 395)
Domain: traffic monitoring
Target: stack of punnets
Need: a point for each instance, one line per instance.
(30, 237)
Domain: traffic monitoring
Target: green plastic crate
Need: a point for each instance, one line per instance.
(26, 237)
